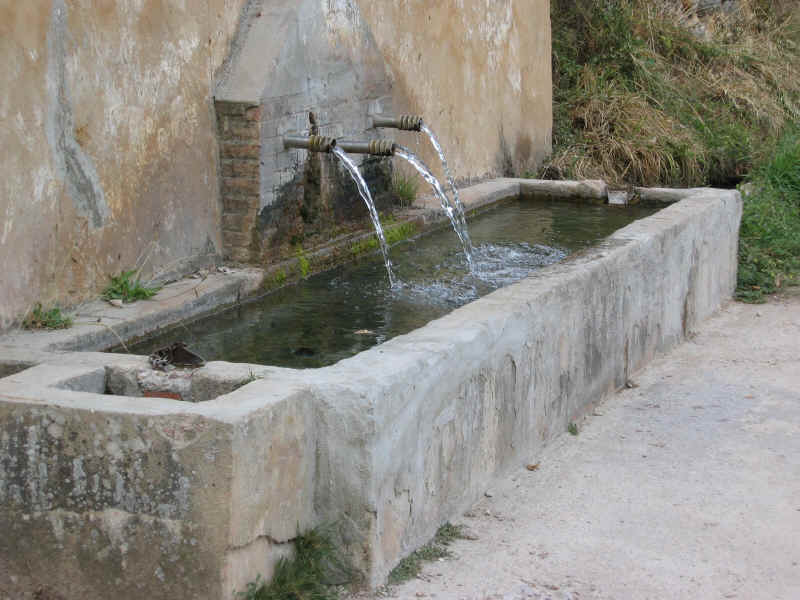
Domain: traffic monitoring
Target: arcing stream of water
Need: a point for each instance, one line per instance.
(459, 226)
(373, 213)
(451, 182)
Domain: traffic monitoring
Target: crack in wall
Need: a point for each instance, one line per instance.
(72, 163)
(264, 537)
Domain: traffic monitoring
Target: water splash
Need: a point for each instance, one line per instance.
(373, 212)
(450, 181)
(458, 226)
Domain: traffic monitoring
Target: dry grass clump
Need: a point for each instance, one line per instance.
(651, 94)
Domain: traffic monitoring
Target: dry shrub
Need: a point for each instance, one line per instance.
(649, 94)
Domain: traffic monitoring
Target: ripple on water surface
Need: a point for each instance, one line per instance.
(337, 314)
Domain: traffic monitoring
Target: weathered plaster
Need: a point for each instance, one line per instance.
(110, 146)
(478, 72)
(73, 165)
(110, 157)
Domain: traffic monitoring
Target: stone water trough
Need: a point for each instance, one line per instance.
(108, 493)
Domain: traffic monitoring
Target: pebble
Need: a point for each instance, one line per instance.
(116, 302)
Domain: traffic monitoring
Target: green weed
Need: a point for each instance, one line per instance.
(124, 287)
(280, 277)
(437, 548)
(311, 574)
(393, 235)
(400, 232)
(572, 428)
(405, 188)
(769, 239)
(251, 377)
(302, 263)
(363, 246)
(41, 318)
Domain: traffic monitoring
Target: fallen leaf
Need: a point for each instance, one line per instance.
(532, 467)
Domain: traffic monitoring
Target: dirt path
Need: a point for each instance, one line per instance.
(687, 486)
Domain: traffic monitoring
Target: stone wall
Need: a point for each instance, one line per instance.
(108, 137)
(479, 74)
(110, 134)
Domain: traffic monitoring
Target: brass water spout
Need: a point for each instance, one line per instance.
(403, 122)
(373, 147)
(312, 143)
(319, 143)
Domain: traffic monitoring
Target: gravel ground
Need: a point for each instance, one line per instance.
(687, 486)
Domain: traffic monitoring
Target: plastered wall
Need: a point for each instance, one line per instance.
(478, 72)
(107, 138)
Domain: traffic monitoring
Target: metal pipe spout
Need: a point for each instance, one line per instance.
(373, 147)
(312, 143)
(402, 122)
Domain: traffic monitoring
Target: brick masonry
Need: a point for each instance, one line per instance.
(239, 131)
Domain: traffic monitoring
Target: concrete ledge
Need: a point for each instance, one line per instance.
(98, 325)
(591, 191)
(665, 195)
(132, 497)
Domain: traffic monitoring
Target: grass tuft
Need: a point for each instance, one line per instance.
(41, 318)
(313, 573)
(303, 264)
(128, 288)
(405, 188)
(437, 548)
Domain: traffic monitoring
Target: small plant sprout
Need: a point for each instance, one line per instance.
(41, 318)
(303, 263)
(573, 429)
(128, 287)
(404, 188)
(436, 549)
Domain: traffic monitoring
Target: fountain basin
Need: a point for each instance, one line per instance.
(137, 496)
(341, 312)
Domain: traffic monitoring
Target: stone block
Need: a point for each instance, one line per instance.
(236, 239)
(253, 113)
(240, 168)
(245, 131)
(239, 203)
(230, 150)
(240, 184)
(236, 109)
(243, 223)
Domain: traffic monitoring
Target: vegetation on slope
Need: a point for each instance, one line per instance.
(647, 94)
(769, 246)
